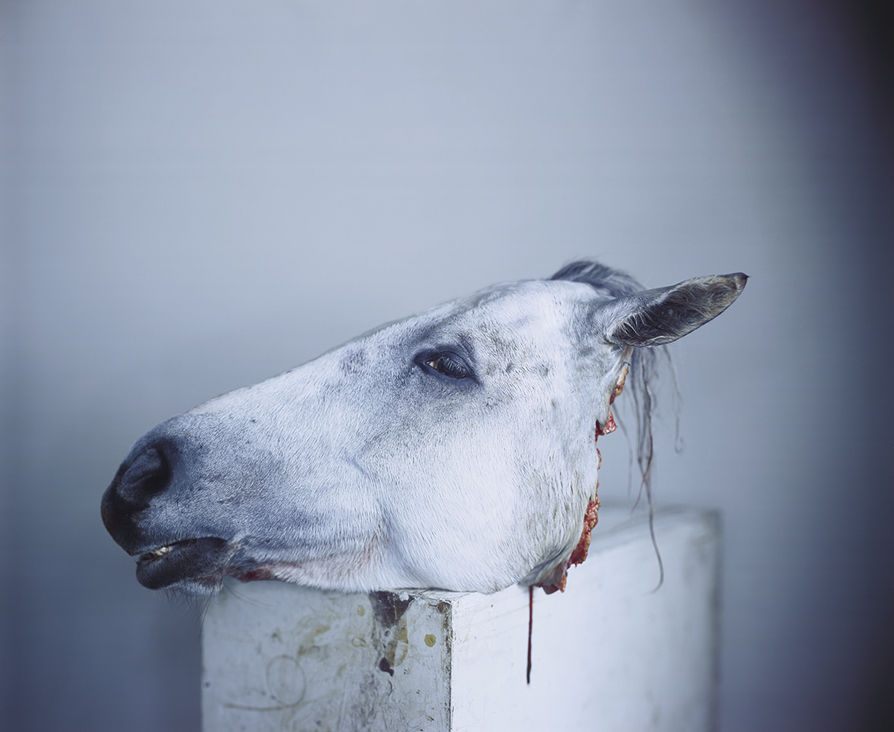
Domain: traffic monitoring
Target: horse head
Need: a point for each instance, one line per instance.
(453, 449)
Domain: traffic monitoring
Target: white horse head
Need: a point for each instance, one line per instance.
(453, 449)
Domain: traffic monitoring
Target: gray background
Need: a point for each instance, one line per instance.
(201, 194)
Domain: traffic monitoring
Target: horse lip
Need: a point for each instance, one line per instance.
(190, 559)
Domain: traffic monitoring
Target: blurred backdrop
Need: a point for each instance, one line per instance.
(201, 194)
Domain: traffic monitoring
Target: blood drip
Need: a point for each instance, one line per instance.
(530, 627)
(591, 518)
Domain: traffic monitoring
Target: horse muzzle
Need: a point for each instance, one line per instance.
(163, 559)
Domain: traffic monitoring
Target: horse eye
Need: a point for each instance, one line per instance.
(448, 364)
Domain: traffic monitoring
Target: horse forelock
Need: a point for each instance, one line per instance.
(612, 282)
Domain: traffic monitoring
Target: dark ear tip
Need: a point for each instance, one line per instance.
(739, 279)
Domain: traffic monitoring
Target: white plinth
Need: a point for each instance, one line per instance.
(608, 654)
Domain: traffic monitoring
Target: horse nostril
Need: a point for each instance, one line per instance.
(147, 475)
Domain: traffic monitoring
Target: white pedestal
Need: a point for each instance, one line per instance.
(608, 654)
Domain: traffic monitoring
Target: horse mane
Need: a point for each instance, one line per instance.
(643, 373)
(612, 282)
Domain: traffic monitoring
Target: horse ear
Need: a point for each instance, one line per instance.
(656, 317)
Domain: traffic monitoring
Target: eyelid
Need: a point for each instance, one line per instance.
(449, 363)
(429, 357)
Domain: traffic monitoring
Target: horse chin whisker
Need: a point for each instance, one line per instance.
(194, 589)
(230, 588)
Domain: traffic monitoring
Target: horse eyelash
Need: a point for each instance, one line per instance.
(433, 361)
(436, 362)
